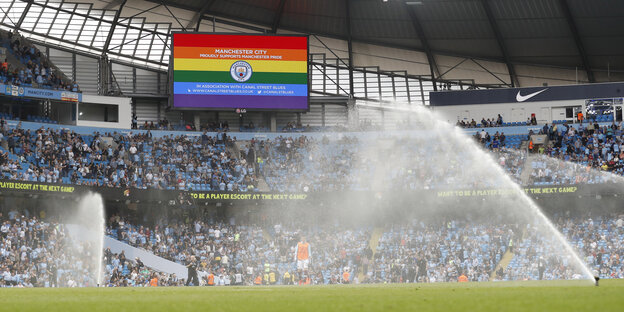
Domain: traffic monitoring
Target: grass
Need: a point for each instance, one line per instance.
(496, 296)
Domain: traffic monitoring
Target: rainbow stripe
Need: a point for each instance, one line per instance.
(202, 66)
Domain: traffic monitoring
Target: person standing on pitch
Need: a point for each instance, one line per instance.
(192, 272)
(541, 267)
(303, 255)
(421, 276)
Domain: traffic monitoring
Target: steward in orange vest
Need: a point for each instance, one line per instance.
(462, 278)
(210, 279)
(258, 280)
(303, 250)
(345, 277)
(303, 255)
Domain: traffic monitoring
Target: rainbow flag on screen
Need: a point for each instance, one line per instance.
(240, 71)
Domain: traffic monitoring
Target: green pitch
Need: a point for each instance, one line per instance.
(499, 296)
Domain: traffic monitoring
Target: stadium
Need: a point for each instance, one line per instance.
(339, 155)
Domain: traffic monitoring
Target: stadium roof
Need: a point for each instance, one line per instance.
(568, 33)
(563, 33)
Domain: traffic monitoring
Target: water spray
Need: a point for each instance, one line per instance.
(483, 161)
(86, 223)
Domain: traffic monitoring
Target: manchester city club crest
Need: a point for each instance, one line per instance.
(241, 71)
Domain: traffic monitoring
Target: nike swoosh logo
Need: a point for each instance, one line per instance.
(521, 98)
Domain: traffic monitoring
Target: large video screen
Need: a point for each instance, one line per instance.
(221, 71)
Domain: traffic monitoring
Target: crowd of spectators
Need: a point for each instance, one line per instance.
(31, 254)
(293, 126)
(160, 125)
(116, 160)
(34, 69)
(227, 254)
(123, 272)
(439, 252)
(165, 124)
(485, 123)
(416, 251)
(42, 253)
(36, 251)
(586, 154)
(598, 240)
(601, 241)
(302, 163)
(495, 122)
(307, 164)
(424, 253)
(495, 142)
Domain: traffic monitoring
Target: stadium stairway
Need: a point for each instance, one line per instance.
(235, 148)
(528, 167)
(503, 263)
(13, 61)
(507, 256)
(149, 259)
(106, 141)
(266, 235)
(235, 151)
(373, 242)
(526, 170)
(525, 176)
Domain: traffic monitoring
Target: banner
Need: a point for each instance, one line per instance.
(58, 95)
(36, 187)
(149, 195)
(501, 192)
(240, 71)
(248, 196)
(199, 198)
(530, 94)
